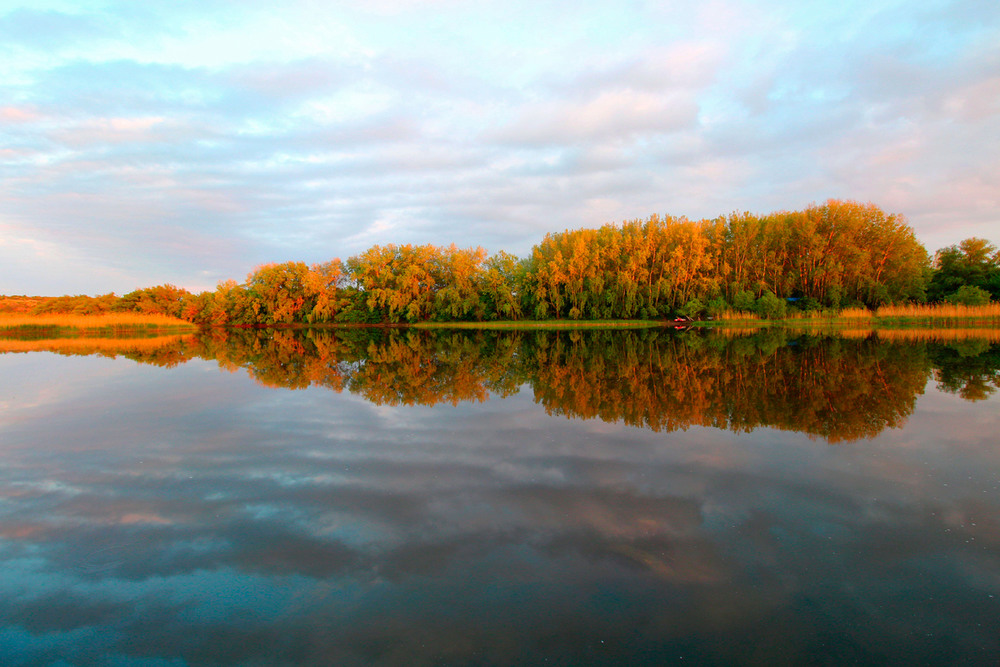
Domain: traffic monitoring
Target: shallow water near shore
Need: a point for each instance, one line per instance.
(472, 498)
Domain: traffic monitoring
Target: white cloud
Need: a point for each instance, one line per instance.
(221, 135)
(620, 115)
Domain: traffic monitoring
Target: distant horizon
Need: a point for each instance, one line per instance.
(186, 144)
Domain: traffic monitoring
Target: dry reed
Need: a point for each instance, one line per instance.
(855, 314)
(737, 315)
(103, 321)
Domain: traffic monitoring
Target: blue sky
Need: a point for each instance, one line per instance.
(188, 142)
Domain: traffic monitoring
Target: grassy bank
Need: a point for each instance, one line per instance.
(544, 324)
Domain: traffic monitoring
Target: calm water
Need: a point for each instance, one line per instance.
(438, 498)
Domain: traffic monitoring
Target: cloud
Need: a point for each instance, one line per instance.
(263, 135)
(50, 30)
(612, 115)
(310, 526)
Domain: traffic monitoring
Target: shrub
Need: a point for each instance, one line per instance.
(743, 300)
(969, 295)
(808, 304)
(692, 308)
(770, 307)
(716, 307)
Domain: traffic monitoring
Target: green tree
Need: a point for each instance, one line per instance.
(974, 262)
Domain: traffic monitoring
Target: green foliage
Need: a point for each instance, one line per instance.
(974, 262)
(808, 304)
(744, 301)
(968, 295)
(770, 307)
(834, 296)
(693, 309)
(716, 307)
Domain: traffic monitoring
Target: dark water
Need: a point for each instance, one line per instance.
(608, 498)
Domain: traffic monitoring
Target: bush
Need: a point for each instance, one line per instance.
(716, 307)
(969, 295)
(808, 304)
(770, 307)
(692, 308)
(743, 301)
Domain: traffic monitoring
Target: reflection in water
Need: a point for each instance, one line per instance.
(840, 388)
(837, 388)
(191, 517)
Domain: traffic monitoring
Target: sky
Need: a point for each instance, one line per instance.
(187, 142)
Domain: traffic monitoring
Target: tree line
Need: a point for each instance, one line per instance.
(835, 255)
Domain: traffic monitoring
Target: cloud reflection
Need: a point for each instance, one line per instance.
(207, 518)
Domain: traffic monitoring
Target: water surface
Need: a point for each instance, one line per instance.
(405, 497)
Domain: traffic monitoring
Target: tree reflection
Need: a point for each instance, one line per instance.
(825, 386)
(832, 387)
(969, 368)
(828, 387)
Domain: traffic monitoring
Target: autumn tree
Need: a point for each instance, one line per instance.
(163, 299)
(501, 286)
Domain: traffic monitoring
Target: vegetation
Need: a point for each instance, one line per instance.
(55, 323)
(966, 274)
(841, 259)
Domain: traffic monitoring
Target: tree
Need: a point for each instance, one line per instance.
(161, 299)
(974, 262)
(281, 292)
(501, 286)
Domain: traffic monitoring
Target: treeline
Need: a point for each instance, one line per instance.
(836, 255)
(158, 300)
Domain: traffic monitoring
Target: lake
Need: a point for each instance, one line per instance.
(415, 497)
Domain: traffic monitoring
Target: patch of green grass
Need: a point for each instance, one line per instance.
(546, 324)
